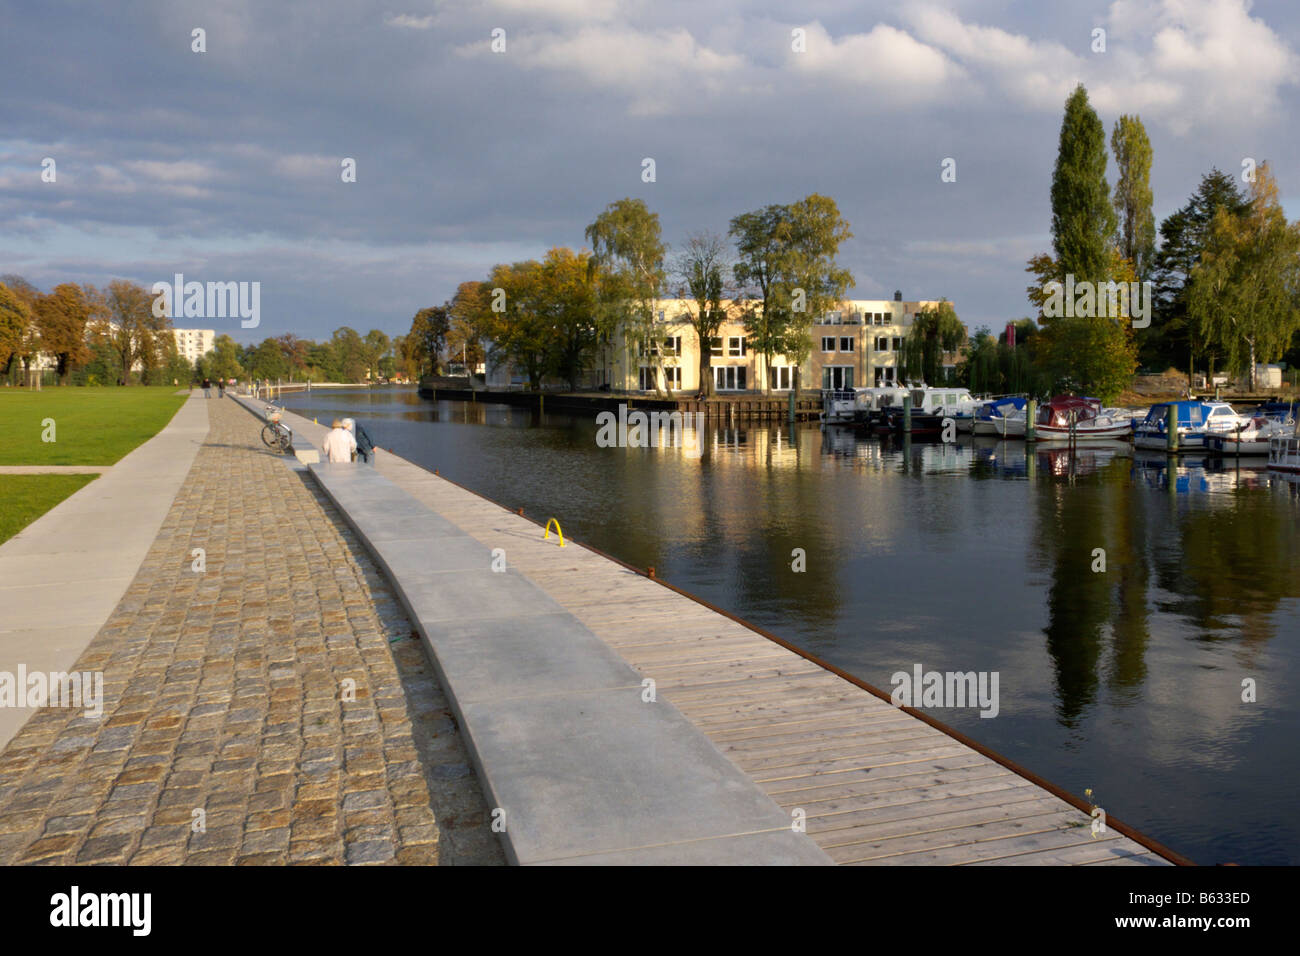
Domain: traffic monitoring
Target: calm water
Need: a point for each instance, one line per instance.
(961, 558)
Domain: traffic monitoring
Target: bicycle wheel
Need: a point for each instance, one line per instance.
(271, 435)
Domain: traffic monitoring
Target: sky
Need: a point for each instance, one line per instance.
(227, 165)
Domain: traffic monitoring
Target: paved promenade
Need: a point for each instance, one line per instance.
(225, 692)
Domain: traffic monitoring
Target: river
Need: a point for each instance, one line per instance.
(1127, 610)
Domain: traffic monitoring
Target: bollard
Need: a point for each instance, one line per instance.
(541, 402)
(1171, 427)
(1031, 413)
(791, 415)
(907, 414)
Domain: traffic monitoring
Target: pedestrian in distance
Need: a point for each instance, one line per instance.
(221, 388)
(339, 445)
(207, 388)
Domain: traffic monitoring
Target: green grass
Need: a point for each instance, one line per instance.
(92, 426)
(24, 498)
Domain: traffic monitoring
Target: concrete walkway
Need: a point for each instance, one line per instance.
(268, 706)
(62, 575)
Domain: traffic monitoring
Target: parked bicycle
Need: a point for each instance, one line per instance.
(277, 435)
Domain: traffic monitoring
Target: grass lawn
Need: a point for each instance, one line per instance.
(24, 498)
(93, 426)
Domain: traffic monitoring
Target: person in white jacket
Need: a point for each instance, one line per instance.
(339, 443)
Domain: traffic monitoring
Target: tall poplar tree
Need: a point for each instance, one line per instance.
(1083, 220)
(1136, 234)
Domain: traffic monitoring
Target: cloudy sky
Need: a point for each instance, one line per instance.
(226, 165)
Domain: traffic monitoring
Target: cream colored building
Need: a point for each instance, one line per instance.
(193, 344)
(859, 344)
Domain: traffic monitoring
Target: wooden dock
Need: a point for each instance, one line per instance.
(879, 785)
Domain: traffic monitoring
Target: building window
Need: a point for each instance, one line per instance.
(898, 344)
(715, 346)
(828, 343)
(882, 344)
(647, 379)
(729, 378)
(661, 315)
(846, 343)
(672, 377)
(736, 345)
(782, 378)
(837, 376)
(885, 376)
(673, 345)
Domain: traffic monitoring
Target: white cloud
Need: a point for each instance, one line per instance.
(658, 69)
(885, 59)
(409, 21)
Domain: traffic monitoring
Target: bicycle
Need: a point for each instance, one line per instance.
(277, 436)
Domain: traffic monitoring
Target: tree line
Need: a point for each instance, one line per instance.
(1224, 278)
(559, 316)
(99, 336)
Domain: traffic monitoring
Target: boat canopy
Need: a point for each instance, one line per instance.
(1190, 412)
(1001, 406)
(1058, 410)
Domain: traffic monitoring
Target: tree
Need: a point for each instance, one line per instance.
(131, 320)
(473, 324)
(1083, 220)
(523, 335)
(1246, 286)
(787, 252)
(1183, 236)
(701, 272)
(935, 331)
(628, 250)
(223, 359)
(568, 296)
(267, 361)
(15, 318)
(428, 338)
(377, 346)
(1136, 236)
(350, 353)
(295, 352)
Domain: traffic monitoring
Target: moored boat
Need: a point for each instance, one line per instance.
(993, 417)
(1284, 453)
(1076, 418)
(1195, 420)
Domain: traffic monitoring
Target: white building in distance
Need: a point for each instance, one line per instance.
(193, 344)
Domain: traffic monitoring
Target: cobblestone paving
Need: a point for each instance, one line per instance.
(224, 691)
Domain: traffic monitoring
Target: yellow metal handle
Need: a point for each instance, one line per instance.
(549, 522)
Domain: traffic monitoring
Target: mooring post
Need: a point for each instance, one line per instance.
(1031, 413)
(907, 414)
(791, 415)
(1171, 427)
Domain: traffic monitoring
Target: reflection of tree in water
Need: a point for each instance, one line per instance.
(1233, 565)
(1229, 559)
(1079, 601)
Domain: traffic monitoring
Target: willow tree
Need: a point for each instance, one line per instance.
(628, 251)
(935, 331)
(1245, 287)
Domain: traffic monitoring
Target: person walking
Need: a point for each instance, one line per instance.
(364, 446)
(207, 388)
(221, 388)
(339, 445)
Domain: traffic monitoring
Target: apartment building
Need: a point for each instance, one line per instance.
(858, 344)
(193, 344)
